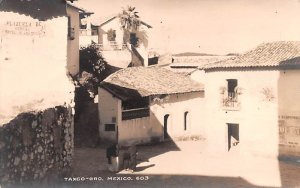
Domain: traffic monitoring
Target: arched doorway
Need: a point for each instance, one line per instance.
(186, 120)
(166, 124)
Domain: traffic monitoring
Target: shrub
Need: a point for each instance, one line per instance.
(92, 68)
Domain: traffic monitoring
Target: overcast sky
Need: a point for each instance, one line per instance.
(211, 26)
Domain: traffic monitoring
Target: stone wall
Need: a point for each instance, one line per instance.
(35, 144)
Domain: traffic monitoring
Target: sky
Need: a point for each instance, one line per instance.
(209, 26)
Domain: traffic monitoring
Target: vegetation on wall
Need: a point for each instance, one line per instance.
(92, 69)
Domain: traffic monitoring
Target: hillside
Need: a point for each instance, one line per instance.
(193, 54)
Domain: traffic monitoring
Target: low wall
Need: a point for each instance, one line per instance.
(35, 144)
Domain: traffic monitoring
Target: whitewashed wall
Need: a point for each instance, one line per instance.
(176, 105)
(109, 109)
(289, 112)
(258, 117)
(136, 131)
(33, 59)
(152, 128)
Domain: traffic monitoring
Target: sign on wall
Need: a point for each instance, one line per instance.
(23, 28)
(289, 131)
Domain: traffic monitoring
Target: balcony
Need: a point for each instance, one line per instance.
(231, 102)
(135, 113)
(111, 46)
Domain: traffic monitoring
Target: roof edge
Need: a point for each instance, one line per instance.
(114, 17)
(115, 94)
(260, 67)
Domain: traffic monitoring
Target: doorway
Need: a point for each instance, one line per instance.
(233, 135)
(133, 39)
(166, 124)
(186, 120)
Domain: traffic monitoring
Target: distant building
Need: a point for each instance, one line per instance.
(88, 30)
(120, 48)
(138, 105)
(253, 101)
(75, 15)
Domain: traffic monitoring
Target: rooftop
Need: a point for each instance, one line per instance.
(41, 10)
(196, 61)
(107, 20)
(274, 54)
(142, 82)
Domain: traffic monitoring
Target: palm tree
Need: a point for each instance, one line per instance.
(129, 19)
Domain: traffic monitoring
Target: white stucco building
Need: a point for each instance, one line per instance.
(34, 53)
(138, 105)
(122, 48)
(88, 30)
(75, 15)
(253, 102)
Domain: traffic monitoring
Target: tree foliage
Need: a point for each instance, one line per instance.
(129, 19)
(92, 69)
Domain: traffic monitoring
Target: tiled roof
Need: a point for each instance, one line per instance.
(196, 61)
(274, 54)
(41, 10)
(142, 81)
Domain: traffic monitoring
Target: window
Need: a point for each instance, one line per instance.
(110, 127)
(230, 99)
(185, 120)
(71, 30)
(166, 124)
(135, 103)
(94, 30)
(82, 26)
(135, 108)
(133, 39)
(231, 87)
(111, 35)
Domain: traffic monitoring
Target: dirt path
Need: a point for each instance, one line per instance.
(181, 164)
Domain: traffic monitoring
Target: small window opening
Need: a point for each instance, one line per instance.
(110, 127)
(111, 35)
(231, 87)
(185, 120)
(133, 39)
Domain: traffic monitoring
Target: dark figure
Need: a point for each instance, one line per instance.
(126, 160)
(111, 152)
(133, 154)
(129, 158)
